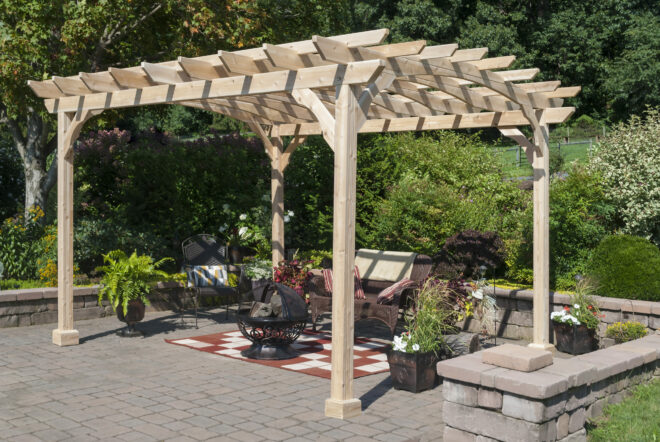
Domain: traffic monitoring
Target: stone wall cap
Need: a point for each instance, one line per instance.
(610, 361)
(649, 354)
(50, 293)
(575, 371)
(7, 296)
(517, 357)
(535, 384)
(30, 294)
(466, 368)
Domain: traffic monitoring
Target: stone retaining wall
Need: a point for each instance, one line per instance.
(485, 402)
(39, 306)
(515, 318)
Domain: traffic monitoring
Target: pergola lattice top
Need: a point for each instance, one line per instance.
(291, 87)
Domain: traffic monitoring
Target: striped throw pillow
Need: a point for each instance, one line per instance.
(207, 276)
(359, 292)
(386, 296)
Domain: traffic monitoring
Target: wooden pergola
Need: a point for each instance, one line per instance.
(337, 87)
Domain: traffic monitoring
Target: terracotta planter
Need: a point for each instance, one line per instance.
(574, 339)
(134, 314)
(413, 372)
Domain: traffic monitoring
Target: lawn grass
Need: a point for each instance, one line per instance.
(635, 419)
(509, 161)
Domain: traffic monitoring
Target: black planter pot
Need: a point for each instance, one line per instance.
(574, 339)
(134, 314)
(413, 372)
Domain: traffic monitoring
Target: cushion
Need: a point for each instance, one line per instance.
(359, 293)
(207, 276)
(387, 295)
(379, 265)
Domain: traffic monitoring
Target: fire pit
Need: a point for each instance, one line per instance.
(274, 323)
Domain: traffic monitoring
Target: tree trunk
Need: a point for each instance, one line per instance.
(34, 144)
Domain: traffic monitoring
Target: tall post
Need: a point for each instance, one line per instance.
(341, 403)
(541, 165)
(64, 334)
(277, 201)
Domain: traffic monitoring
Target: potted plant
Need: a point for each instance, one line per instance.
(626, 331)
(125, 284)
(294, 274)
(259, 271)
(416, 351)
(575, 325)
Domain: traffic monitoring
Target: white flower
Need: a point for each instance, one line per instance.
(222, 228)
(576, 305)
(286, 218)
(242, 231)
(415, 347)
(553, 315)
(243, 217)
(479, 294)
(290, 213)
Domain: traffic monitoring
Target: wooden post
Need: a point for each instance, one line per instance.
(277, 200)
(341, 403)
(68, 128)
(541, 165)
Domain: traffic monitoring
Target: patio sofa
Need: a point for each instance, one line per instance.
(321, 300)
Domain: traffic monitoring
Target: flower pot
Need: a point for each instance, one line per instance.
(574, 339)
(413, 372)
(134, 314)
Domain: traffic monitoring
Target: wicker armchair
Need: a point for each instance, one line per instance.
(321, 300)
(204, 249)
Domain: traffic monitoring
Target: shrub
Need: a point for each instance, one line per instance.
(626, 266)
(580, 216)
(12, 180)
(293, 274)
(20, 245)
(626, 331)
(464, 253)
(629, 162)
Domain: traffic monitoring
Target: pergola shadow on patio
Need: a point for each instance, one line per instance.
(337, 87)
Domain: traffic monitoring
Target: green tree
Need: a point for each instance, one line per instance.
(63, 37)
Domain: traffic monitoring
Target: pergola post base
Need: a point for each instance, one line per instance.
(544, 346)
(65, 338)
(343, 409)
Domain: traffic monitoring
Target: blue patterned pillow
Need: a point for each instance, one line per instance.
(207, 276)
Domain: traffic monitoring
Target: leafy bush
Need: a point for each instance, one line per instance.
(149, 192)
(293, 274)
(12, 180)
(629, 162)
(464, 253)
(580, 216)
(626, 266)
(20, 245)
(316, 257)
(258, 269)
(626, 331)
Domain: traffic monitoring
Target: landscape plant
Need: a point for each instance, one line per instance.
(626, 331)
(628, 161)
(626, 266)
(127, 278)
(583, 309)
(466, 253)
(294, 274)
(433, 317)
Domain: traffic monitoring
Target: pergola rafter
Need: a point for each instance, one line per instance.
(336, 87)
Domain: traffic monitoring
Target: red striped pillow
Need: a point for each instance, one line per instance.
(386, 296)
(359, 292)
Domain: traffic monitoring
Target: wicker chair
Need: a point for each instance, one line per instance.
(204, 249)
(321, 300)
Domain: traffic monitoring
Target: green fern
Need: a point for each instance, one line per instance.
(127, 278)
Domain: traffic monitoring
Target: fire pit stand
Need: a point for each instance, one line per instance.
(272, 336)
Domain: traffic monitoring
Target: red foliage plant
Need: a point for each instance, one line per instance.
(293, 274)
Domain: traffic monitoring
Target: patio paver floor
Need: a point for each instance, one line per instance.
(112, 388)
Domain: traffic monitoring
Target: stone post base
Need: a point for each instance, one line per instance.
(65, 338)
(343, 409)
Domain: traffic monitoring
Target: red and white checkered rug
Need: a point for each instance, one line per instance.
(315, 348)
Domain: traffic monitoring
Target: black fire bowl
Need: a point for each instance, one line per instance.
(271, 337)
